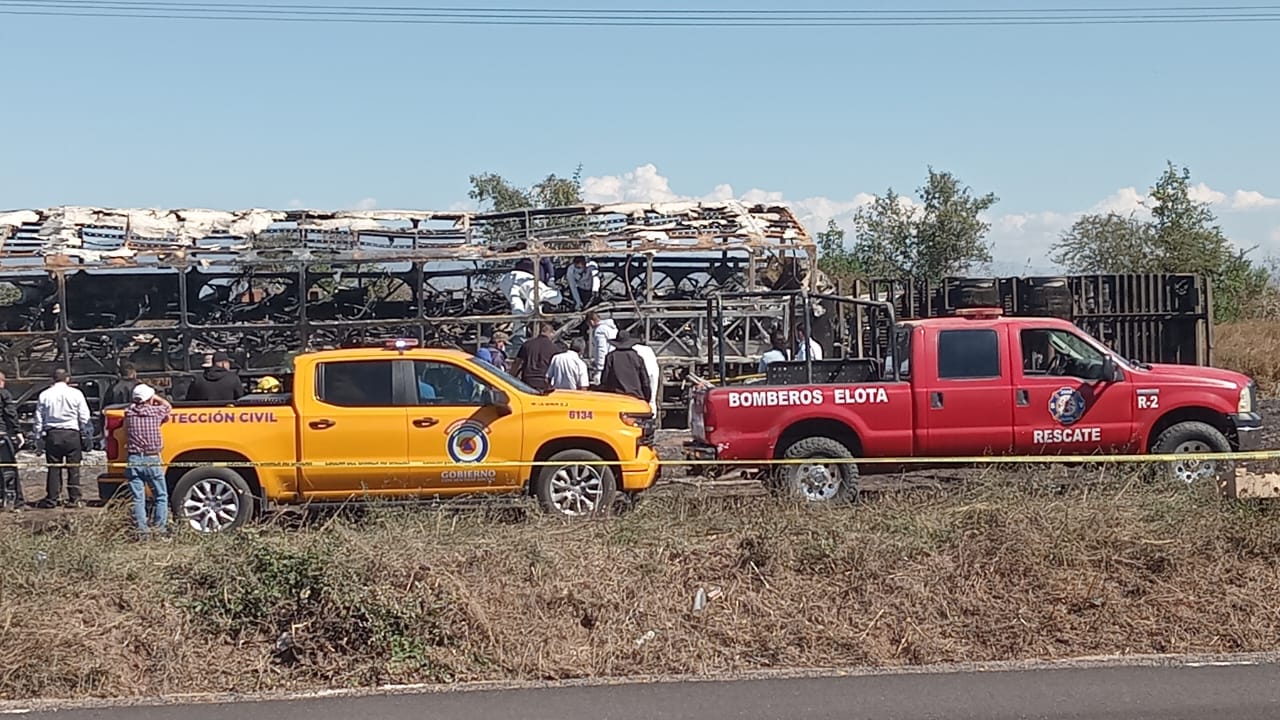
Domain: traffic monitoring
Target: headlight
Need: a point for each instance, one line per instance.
(1245, 405)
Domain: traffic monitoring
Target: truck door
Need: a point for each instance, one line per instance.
(454, 426)
(967, 402)
(1060, 405)
(353, 417)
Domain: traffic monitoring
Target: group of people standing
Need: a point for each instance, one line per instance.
(608, 359)
(63, 431)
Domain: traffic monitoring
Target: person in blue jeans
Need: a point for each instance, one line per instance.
(142, 421)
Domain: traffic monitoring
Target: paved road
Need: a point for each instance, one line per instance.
(1117, 693)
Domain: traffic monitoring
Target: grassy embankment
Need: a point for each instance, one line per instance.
(1000, 569)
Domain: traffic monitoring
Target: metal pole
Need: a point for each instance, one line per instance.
(808, 338)
(724, 369)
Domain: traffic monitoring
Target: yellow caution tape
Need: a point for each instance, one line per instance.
(955, 460)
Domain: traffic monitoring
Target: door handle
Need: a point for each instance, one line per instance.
(1024, 398)
(321, 424)
(935, 399)
(425, 422)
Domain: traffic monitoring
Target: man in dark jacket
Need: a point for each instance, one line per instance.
(535, 357)
(10, 441)
(624, 369)
(121, 391)
(218, 383)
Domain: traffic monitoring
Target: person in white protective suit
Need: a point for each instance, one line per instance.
(603, 330)
(518, 286)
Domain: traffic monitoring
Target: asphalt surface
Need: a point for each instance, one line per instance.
(1106, 693)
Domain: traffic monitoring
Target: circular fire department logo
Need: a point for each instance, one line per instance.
(1066, 405)
(468, 443)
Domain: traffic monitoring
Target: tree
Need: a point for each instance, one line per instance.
(942, 236)
(834, 258)
(1181, 236)
(502, 196)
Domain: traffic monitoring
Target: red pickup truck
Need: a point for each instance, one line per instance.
(976, 384)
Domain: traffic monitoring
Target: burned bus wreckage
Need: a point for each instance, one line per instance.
(86, 289)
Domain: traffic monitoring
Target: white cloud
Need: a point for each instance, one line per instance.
(366, 204)
(1021, 241)
(1251, 200)
(1129, 200)
(296, 204)
(1202, 193)
(1123, 202)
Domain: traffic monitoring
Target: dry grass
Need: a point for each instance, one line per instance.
(1252, 348)
(998, 570)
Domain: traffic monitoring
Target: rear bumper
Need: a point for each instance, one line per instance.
(1248, 431)
(643, 472)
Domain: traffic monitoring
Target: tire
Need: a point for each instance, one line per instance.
(817, 483)
(1192, 437)
(569, 489)
(211, 500)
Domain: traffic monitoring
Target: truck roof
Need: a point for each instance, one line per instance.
(376, 351)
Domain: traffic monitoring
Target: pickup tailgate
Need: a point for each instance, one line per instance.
(751, 422)
(260, 435)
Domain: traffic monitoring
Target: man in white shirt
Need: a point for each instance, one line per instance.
(62, 418)
(584, 281)
(602, 332)
(805, 344)
(650, 358)
(568, 371)
(776, 353)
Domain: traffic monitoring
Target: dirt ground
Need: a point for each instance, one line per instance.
(675, 476)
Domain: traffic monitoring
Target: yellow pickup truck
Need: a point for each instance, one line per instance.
(396, 422)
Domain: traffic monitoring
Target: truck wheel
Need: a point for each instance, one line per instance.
(212, 499)
(1192, 437)
(818, 482)
(572, 484)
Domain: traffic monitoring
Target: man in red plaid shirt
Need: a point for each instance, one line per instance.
(142, 421)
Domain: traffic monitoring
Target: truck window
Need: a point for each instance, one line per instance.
(355, 383)
(968, 354)
(441, 383)
(1059, 353)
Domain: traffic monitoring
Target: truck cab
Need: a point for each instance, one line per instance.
(397, 423)
(980, 384)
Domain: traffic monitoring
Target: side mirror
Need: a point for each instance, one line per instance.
(497, 398)
(1111, 371)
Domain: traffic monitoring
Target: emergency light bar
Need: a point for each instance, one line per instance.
(400, 344)
(980, 313)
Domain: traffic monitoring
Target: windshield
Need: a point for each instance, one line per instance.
(512, 380)
(1100, 347)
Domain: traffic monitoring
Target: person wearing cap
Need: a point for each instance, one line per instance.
(495, 352)
(142, 421)
(624, 369)
(218, 382)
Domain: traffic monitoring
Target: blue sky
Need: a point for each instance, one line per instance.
(1055, 120)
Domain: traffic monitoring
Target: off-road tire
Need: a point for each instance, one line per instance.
(595, 481)
(1184, 436)
(788, 479)
(218, 483)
